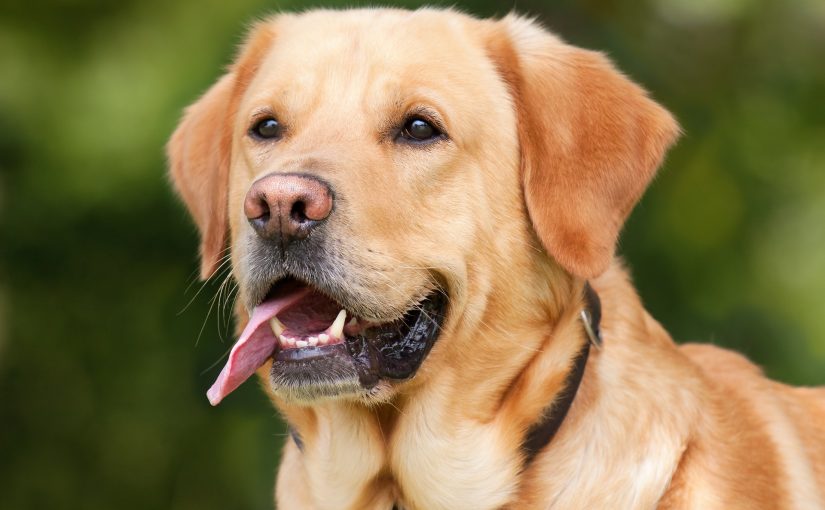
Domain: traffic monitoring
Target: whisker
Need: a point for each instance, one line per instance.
(219, 295)
(222, 266)
(205, 320)
(193, 276)
(227, 311)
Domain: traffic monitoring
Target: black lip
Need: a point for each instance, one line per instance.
(393, 351)
(398, 354)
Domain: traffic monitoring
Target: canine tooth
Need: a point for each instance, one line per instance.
(323, 338)
(337, 328)
(312, 341)
(277, 326)
(300, 343)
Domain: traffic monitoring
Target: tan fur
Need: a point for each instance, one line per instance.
(549, 149)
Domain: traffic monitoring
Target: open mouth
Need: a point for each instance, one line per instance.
(319, 349)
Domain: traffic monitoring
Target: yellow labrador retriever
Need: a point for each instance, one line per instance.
(422, 209)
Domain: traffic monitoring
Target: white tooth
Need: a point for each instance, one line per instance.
(352, 322)
(337, 328)
(323, 338)
(276, 325)
(300, 343)
(284, 340)
(291, 341)
(312, 341)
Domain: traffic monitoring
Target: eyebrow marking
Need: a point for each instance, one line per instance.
(261, 111)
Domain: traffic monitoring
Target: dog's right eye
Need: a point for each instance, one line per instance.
(266, 129)
(418, 130)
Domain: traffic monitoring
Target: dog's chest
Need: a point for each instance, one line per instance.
(453, 473)
(422, 463)
(437, 464)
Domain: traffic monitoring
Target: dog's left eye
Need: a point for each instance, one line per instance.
(419, 130)
(267, 128)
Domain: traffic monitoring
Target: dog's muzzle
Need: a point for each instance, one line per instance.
(307, 321)
(320, 350)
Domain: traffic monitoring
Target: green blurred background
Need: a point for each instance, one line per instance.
(102, 379)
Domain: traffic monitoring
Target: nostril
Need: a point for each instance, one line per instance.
(256, 207)
(298, 213)
(260, 216)
(263, 211)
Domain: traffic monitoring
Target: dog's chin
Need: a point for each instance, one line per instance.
(316, 374)
(320, 351)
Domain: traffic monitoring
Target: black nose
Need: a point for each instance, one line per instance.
(286, 207)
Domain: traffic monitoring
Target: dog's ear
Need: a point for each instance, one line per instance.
(199, 150)
(591, 141)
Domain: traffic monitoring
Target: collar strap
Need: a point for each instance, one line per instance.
(542, 432)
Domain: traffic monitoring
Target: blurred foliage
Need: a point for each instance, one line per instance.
(101, 375)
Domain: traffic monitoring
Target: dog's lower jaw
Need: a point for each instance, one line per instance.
(348, 391)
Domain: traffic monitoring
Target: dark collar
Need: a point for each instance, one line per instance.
(542, 432)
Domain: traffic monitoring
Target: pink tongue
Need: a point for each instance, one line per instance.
(255, 345)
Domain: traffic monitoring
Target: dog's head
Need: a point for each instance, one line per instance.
(391, 181)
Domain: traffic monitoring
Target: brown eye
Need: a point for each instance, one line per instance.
(419, 130)
(266, 129)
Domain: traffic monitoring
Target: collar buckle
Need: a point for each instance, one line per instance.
(594, 336)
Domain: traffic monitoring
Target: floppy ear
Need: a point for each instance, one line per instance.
(199, 152)
(591, 141)
(200, 149)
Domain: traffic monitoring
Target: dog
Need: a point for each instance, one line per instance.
(422, 211)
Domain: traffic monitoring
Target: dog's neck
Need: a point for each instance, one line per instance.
(542, 431)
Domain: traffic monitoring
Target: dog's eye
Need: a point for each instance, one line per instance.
(266, 129)
(419, 130)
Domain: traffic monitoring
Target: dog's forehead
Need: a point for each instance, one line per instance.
(374, 36)
(367, 59)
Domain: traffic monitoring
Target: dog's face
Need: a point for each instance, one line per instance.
(388, 178)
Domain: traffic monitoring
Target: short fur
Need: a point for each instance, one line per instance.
(550, 147)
